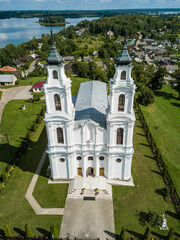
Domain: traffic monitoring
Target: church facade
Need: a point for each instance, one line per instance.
(91, 134)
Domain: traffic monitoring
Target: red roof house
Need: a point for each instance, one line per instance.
(37, 87)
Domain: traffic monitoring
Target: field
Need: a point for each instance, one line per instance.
(163, 118)
(131, 204)
(15, 123)
(0, 95)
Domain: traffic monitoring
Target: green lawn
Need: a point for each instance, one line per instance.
(130, 201)
(0, 95)
(15, 210)
(15, 123)
(49, 195)
(163, 118)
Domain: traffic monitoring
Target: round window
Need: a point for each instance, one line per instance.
(118, 160)
(79, 158)
(101, 158)
(62, 160)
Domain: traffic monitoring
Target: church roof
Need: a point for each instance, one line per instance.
(123, 58)
(54, 57)
(92, 102)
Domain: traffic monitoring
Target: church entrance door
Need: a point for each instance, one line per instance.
(90, 171)
(101, 172)
(79, 171)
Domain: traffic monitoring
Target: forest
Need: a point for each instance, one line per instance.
(52, 21)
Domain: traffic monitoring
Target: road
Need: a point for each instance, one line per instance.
(31, 68)
(22, 92)
(137, 43)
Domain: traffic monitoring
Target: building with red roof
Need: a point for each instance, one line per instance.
(37, 87)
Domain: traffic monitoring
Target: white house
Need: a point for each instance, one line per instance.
(91, 134)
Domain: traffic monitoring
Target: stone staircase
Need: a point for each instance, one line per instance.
(88, 187)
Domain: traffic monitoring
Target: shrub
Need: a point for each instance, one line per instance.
(165, 191)
(172, 189)
(53, 231)
(147, 233)
(7, 232)
(34, 127)
(5, 178)
(145, 96)
(39, 119)
(28, 232)
(123, 234)
(170, 234)
(153, 218)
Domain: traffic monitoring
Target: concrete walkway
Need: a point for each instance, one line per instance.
(31, 68)
(29, 194)
(93, 219)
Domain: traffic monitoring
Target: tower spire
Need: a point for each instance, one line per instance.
(124, 58)
(54, 57)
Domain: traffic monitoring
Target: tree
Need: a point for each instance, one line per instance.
(5, 178)
(147, 233)
(7, 232)
(170, 234)
(176, 76)
(93, 70)
(123, 234)
(53, 230)
(145, 96)
(28, 232)
(157, 81)
(103, 77)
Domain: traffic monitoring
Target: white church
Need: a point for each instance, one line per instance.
(90, 134)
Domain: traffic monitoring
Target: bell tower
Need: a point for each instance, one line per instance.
(59, 116)
(121, 117)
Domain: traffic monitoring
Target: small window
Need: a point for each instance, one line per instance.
(123, 75)
(101, 158)
(57, 102)
(118, 160)
(60, 135)
(90, 158)
(120, 132)
(55, 75)
(121, 103)
(79, 158)
(62, 160)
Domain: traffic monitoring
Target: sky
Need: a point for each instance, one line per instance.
(85, 4)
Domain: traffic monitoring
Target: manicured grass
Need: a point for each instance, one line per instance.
(49, 195)
(15, 123)
(93, 44)
(75, 84)
(163, 118)
(0, 95)
(145, 196)
(15, 210)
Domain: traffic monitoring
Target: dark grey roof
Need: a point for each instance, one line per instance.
(92, 102)
(123, 58)
(54, 57)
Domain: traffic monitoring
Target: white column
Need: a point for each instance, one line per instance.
(97, 165)
(84, 165)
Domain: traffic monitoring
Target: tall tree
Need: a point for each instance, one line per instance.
(176, 76)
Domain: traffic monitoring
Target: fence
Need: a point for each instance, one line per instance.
(160, 162)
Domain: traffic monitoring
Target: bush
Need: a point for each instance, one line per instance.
(123, 234)
(34, 127)
(5, 178)
(7, 232)
(28, 232)
(147, 233)
(165, 191)
(145, 96)
(53, 231)
(170, 234)
(153, 218)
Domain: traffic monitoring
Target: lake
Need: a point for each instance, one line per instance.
(18, 30)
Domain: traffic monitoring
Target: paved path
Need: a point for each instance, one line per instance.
(22, 92)
(31, 68)
(29, 194)
(88, 218)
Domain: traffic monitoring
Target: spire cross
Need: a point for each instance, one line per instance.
(52, 40)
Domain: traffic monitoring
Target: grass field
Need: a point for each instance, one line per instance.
(163, 118)
(0, 95)
(49, 195)
(129, 202)
(15, 123)
(15, 210)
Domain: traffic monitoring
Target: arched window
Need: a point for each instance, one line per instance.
(121, 103)
(120, 133)
(55, 74)
(57, 102)
(60, 137)
(123, 75)
(90, 158)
